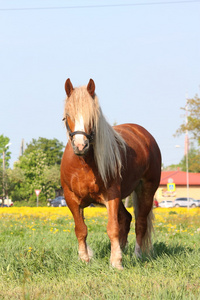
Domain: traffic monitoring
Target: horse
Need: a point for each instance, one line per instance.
(103, 164)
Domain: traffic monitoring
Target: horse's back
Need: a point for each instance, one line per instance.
(138, 138)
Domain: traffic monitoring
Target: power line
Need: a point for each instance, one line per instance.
(101, 5)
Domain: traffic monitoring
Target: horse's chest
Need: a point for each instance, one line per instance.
(83, 183)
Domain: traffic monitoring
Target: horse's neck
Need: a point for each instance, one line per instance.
(88, 159)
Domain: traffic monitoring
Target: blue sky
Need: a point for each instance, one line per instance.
(143, 58)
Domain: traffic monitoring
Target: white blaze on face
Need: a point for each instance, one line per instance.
(79, 138)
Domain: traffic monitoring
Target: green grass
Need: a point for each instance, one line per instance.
(39, 260)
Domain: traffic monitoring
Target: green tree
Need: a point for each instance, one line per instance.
(16, 183)
(37, 168)
(193, 161)
(51, 178)
(30, 169)
(192, 111)
(193, 120)
(5, 155)
(53, 149)
(4, 141)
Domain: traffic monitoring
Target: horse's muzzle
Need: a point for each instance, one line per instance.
(81, 149)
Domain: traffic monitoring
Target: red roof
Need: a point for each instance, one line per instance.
(179, 178)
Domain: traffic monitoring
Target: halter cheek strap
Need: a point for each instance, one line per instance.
(90, 136)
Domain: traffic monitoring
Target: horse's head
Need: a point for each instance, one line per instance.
(77, 118)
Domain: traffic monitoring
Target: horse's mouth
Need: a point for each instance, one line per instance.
(81, 152)
(78, 153)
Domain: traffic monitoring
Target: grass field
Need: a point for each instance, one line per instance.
(39, 259)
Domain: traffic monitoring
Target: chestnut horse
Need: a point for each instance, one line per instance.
(104, 164)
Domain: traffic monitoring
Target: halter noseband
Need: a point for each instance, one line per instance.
(90, 136)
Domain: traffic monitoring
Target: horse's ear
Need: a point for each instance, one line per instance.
(68, 87)
(91, 87)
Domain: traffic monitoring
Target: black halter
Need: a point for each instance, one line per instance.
(90, 136)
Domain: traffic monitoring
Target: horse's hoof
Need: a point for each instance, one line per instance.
(120, 268)
(117, 266)
(85, 260)
(90, 252)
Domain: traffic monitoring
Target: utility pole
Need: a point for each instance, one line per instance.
(187, 148)
(21, 148)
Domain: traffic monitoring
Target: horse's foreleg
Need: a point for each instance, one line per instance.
(85, 253)
(113, 233)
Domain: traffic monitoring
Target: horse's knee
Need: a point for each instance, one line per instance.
(113, 232)
(81, 232)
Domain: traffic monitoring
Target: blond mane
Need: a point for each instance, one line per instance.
(108, 144)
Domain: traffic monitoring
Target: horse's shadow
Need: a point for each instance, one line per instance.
(160, 249)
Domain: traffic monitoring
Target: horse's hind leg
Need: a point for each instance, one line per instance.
(143, 205)
(124, 218)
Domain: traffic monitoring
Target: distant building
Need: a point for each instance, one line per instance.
(173, 184)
